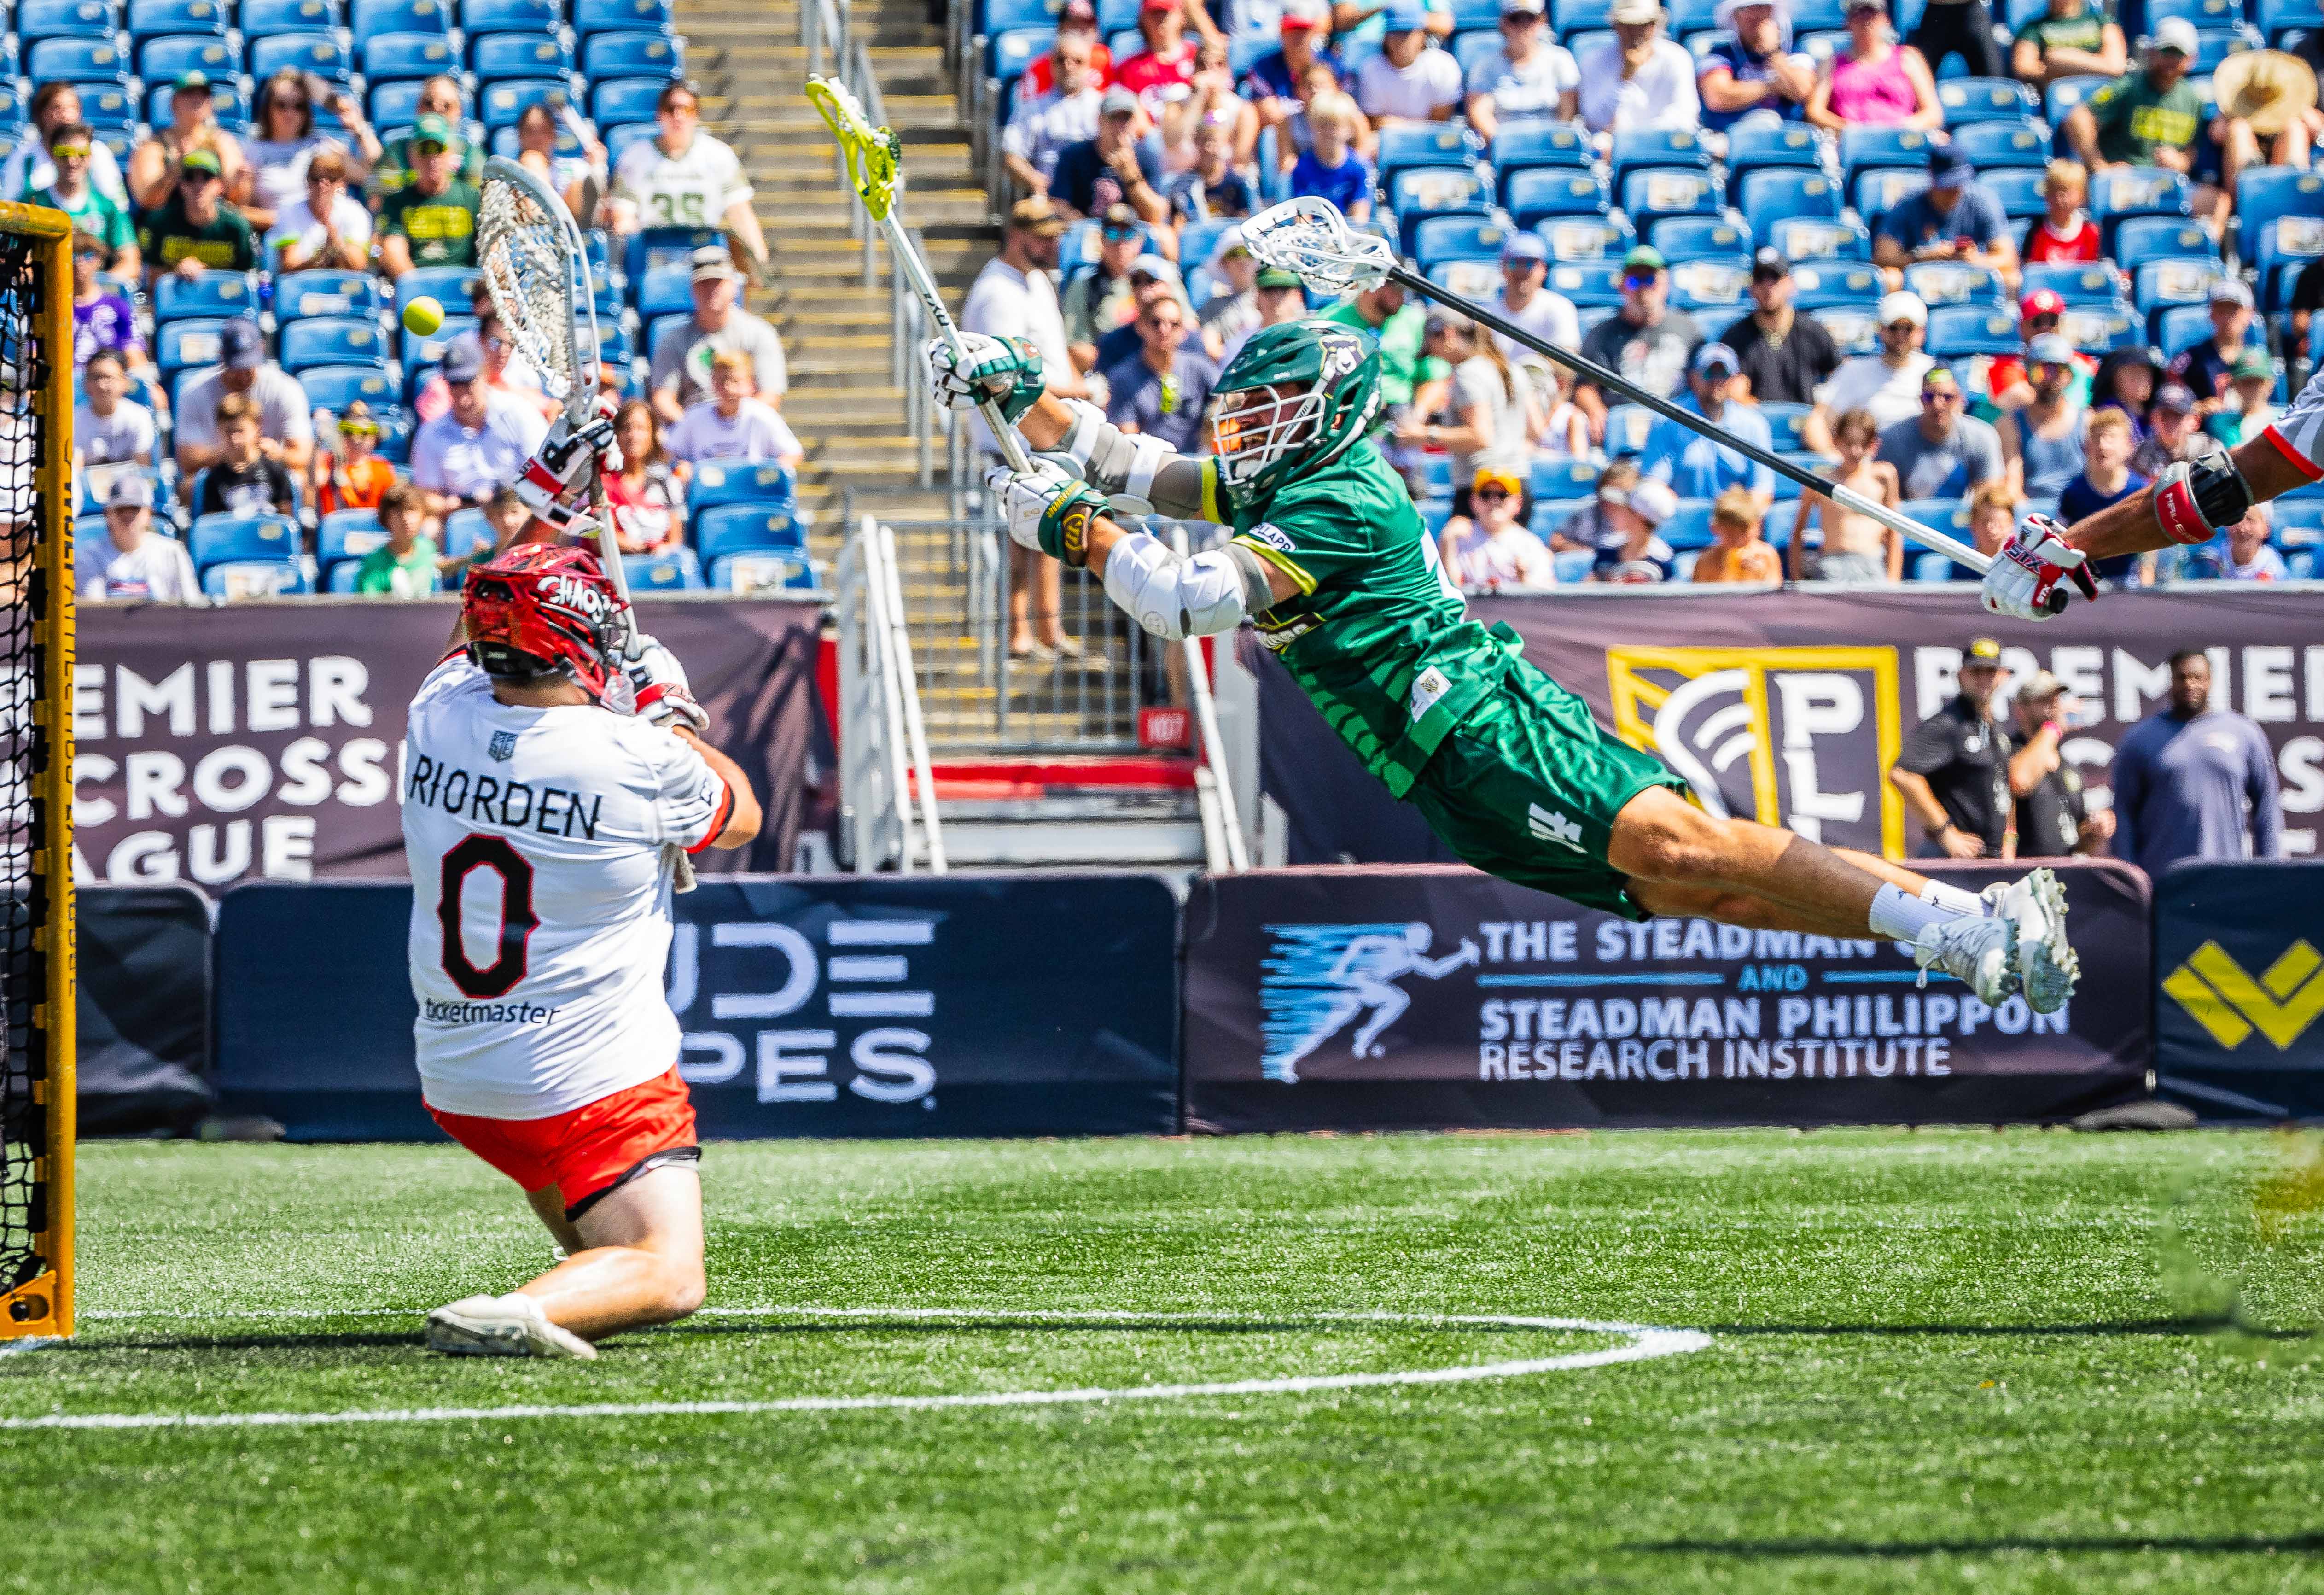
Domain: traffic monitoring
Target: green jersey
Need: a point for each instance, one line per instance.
(2134, 119)
(440, 229)
(1403, 367)
(413, 576)
(2085, 30)
(95, 212)
(225, 243)
(1377, 635)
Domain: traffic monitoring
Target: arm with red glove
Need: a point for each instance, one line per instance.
(557, 481)
(2210, 489)
(658, 682)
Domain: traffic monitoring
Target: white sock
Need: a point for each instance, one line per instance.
(1956, 902)
(1898, 916)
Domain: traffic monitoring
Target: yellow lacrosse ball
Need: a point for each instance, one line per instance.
(423, 317)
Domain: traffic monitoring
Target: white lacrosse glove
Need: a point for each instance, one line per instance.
(1006, 371)
(2025, 580)
(557, 477)
(1048, 510)
(658, 681)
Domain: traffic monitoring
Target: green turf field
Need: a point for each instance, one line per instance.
(1951, 1359)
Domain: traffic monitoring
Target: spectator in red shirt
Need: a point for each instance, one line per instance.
(2065, 234)
(1079, 16)
(2039, 312)
(1163, 72)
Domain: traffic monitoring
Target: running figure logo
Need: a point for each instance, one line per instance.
(1318, 977)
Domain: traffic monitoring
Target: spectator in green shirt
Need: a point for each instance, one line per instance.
(438, 96)
(405, 566)
(2149, 117)
(195, 230)
(2072, 39)
(431, 221)
(93, 210)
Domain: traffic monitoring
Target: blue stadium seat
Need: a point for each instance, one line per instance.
(1878, 188)
(1572, 16)
(1944, 514)
(1717, 287)
(1690, 17)
(212, 293)
(498, 57)
(1986, 99)
(301, 294)
(480, 17)
(395, 103)
(1007, 56)
(501, 104)
(1001, 16)
(1414, 196)
(1669, 190)
(2278, 17)
(1752, 146)
(467, 531)
(2174, 282)
(1817, 286)
(409, 58)
(346, 534)
(374, 17)
(64, 19)
(188, 346)
(2093, 284)
(1994, 146)
(1862, 147)
(2203, 13)
(1702, 237)
(229, 535)
(2019, 189)
(233, 580)
(623, 16)
(2213, 46)
(506, 144)
(666, 290)
(1408, 145)
(78, 60)
(332, 340)
(678, 570)
(2097, 329)
(1587, 285)
(1817, 238)
(229, 100)
(617, 140)
(1457, 238)
(421, 355)
(11, 103)
(763, 573)
(1957, 331)
(1637, 148)
(2059, 100)
(1544, 192)
(2264, 193)
(1587, 238)
(2299, 522)
(739, 482)
(320, 53)
(165, 58)
(2143, 239)
(2288, 245)
(636, 55)
(151, 19)
(1688, 530)
(1785, 421)
(1523, 145)
(626, 99)
(447, 285)
(2181, 326)
(1626, 426)
(744, 527)
(1819, 16)
(2123, 192)
(1954, 282)
(1476, 280)
(341, 578)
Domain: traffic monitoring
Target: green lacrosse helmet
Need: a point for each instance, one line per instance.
(1262, 434)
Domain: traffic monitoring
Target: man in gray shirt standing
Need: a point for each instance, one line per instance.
(682, 350)
(2191, 781)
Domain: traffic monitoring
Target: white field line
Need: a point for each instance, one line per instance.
(1646, 1343)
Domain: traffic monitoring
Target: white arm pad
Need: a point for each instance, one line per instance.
(1122, 464)
(1174, 597)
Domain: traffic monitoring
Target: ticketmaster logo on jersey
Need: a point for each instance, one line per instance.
(1798, 737)
(750, 995)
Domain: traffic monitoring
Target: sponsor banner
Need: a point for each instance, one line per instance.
(2240, 1013)
(822, 1005)
(264, 741)
(143, 958)
(1789, 707)
(1415, 997)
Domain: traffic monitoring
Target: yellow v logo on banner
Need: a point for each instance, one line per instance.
(2228, 1003)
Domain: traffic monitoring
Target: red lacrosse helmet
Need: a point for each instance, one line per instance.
(538, 609)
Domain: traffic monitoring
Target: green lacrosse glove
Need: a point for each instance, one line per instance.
(1004, 370)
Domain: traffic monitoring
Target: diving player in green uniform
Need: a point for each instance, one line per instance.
(1332, 563)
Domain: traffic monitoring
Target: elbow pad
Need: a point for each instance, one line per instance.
(1173, 597)
(1118, 464)
(2200, 492)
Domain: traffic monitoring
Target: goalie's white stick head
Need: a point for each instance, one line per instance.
(1309, 236)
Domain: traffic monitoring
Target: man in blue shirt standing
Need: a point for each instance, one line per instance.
(2192, 781)
(1954, 218)
(1694, 465)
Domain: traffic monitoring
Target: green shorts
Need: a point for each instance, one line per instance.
(1526, 787)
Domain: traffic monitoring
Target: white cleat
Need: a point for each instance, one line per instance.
(2047, 965)
(512, 1325)
(1982, 953)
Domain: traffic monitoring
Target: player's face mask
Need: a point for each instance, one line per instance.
(1253, 428)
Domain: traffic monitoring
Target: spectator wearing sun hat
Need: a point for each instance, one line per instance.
(1954, 218)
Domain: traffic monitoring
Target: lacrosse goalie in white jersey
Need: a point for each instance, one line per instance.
(542, 824)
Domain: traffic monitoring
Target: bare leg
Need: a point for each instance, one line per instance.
(549, 1206)
(1049, 609)
(1743, 873)
(1021, 598)
(639, 1260)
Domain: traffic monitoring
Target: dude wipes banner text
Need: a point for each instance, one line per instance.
(1790, 707)
(1421, 997)
(263, 740)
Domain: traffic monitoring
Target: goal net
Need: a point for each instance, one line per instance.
(36, 645)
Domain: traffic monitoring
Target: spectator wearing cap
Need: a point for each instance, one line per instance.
(2106, 479)
(1097, 298)
(1526, 299)
(2055, 817)
(1013, 297)
(1874, 81)
(1646, 341)
(1112, 167)
(1889, 384)
(1163, 72)
(132, 563)
(731, 425)
(1954, 771)
(1281, 298)
(1784, 357)
(154, 164)
(28, 168)
(1942, 453)
(2071, 39)
(195, 230)
(1636, 551)
(1752, 72)
(2149, 117)
(109, 428)
(103, 316)
(1212, 188)
(2065, 236)
(1330, 169)
(1151, 278)
(679, 375)
(326, 229)
(2042, 435)
(1077, 19)
(438, 96)
(2241, 554)
(506, 372)
(1041, 128)
(2195, 780)
(1494, 420)
(92, 209)
(2204, 367)
(2170, 428)
(431, 220)
(1231, 311)
(1164, 388)
(2040, 314)
(1499, 550)
(1954, 218)
(1410, 80)
(1699, 466)
(2249, 407)
(1275, 82)
(1638, 80)
(1528, 78)
(286, 422)
(483, 440)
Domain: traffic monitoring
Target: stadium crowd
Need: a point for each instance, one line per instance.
(253, 418)
(1970, 265)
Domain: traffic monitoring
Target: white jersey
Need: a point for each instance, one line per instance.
(695, 189)
(540, 892)
(2298, 433)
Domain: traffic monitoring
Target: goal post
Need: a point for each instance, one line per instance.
(37, 987)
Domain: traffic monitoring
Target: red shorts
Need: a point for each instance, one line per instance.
(588, 1151)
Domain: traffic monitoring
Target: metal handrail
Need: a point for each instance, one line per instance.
(1223, 836)
(887, 783)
